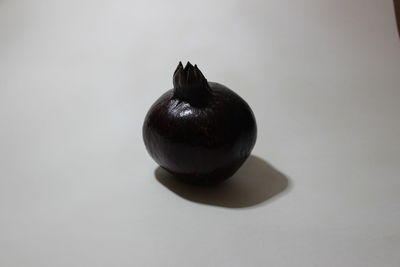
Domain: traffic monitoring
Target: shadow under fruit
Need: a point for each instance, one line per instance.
(199, 131)
(255, 183)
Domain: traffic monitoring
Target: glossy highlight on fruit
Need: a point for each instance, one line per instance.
(200, 131)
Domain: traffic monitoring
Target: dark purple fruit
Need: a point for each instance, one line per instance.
(199, 131)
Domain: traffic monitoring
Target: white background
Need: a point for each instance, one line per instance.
(77, 187)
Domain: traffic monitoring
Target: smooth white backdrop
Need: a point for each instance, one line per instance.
(77, 187)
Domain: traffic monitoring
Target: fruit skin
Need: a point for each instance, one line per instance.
(200, 143)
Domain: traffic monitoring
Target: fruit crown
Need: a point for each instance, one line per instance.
(189, 77)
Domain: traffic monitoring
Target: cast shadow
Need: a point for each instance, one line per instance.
(396, 4)
(254, 183)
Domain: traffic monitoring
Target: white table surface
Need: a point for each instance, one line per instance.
(77, 187)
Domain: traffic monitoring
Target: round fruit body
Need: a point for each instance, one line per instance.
(200, 144)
